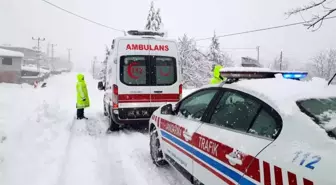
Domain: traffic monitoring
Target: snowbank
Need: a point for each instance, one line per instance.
(34, 69)
(8, 53)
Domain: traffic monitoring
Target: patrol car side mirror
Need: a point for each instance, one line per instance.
(167, 109)
(101, 86)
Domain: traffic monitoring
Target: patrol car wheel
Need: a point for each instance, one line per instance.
(155, 149)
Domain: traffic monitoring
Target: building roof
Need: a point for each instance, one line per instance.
(8, 53)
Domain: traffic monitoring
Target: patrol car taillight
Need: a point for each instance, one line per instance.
(180, 91)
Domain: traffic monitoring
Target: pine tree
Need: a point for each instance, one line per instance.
(194, 66)
(158, 20)
(151, 18)
(216, 55)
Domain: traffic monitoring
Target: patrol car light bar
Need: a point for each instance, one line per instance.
(262, 73)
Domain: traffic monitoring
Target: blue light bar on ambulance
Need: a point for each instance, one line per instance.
(257, 73)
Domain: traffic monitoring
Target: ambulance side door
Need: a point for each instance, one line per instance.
(226, 145)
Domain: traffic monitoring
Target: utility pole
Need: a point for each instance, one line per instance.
(280, 60)
(69, 54)
(38, 52)
(258, 49)
(52, 53)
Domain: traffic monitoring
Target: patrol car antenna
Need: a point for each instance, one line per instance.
(331, 79)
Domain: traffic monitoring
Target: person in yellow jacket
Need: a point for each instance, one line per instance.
(216, 79)
(83, 100)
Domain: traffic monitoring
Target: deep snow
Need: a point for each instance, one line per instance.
(44, 146)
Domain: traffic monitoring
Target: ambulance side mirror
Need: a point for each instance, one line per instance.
(101, 86)
(167, 109)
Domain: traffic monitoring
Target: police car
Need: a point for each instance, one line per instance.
(142, 74)
(270, 129)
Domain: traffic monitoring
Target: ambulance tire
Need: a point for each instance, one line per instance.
(113, 126)
(155, 149)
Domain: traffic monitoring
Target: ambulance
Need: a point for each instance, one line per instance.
(142, 74)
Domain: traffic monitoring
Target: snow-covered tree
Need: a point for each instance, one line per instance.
(150, 25)
(158, 20)
(323, 65)
(154, 20)
(279, 64)
(216, 55)
(196, 69)
(326, 8)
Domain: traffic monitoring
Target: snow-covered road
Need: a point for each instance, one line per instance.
(45, 146)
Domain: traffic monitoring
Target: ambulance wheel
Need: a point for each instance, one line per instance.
(113, 125)
(155, 149)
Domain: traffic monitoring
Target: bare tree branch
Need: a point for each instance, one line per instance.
(316, 19)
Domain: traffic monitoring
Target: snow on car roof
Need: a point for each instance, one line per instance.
(283, 93)
(9, 53)
(245, 69)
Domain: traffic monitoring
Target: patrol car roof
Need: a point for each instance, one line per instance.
(283, 93)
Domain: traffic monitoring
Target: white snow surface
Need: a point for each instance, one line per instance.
(245, 69)
(283, 93)
(44, 146)
(9, 53)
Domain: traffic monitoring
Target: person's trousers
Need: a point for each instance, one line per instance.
(80, 113)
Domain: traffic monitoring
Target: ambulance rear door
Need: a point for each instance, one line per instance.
(134, 84)
(165, 78)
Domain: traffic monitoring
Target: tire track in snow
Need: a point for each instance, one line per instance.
(133, 149)
(85, 154)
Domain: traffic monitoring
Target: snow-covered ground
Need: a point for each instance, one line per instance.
(44, 146)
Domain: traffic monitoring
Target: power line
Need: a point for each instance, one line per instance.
(261, 29)
(94, 22)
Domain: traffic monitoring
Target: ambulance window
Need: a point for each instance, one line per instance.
(265, 125)
(235, 111)
(164, 70)
(133, 70)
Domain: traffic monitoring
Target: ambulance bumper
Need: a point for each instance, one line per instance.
(139, 115)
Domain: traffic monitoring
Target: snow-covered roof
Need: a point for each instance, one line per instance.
(283, 93)
(8, 53)
(34, 69)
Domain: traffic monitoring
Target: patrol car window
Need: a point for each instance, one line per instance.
(133, 70)
(322, 112)
(265, 125)
(195, 105)
(235, 111)
(164, 70)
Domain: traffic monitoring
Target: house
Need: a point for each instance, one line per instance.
(10, 66)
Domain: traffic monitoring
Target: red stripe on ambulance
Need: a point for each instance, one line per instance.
(147, 98)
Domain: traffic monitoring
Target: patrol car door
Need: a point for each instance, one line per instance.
(164, 72)
(178, 130)
(227, 145)
(135, 86)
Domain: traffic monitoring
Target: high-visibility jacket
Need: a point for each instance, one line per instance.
(83, 100)
(216, 79)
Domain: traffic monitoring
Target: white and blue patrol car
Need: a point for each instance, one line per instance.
(265, 130)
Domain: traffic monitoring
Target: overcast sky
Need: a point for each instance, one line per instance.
(22, 19)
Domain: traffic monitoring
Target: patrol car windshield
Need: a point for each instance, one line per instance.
(323, 112)
(148, 70)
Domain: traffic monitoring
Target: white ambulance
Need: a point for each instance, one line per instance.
(143, 73)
